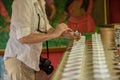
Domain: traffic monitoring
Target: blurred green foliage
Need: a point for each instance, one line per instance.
(52, 43)
(4, 35)
(60, 4)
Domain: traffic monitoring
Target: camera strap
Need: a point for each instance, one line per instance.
(47, 49)
(37, 11)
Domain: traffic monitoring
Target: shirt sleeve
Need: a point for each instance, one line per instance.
(48, 26)
(3, 11)
(21, 17)
(48, 23)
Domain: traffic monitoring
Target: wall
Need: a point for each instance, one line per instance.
(114, 11)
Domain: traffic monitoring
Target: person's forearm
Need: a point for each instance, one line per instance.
(51, 30)
(36, 38)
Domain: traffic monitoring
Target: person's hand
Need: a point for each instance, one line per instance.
(69, 34)
(60, 29)
(77, 35)
(72, 34)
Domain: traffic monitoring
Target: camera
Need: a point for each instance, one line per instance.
(45, 65)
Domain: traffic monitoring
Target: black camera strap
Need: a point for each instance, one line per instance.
(38, 29)
(45, 63)
(47, 49)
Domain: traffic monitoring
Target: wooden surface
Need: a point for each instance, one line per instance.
(87, 71)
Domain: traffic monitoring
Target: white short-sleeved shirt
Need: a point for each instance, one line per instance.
(24, 21)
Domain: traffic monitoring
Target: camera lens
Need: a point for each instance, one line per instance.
(49, 70)
(45, 65)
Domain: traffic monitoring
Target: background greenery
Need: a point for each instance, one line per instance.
(4, 35)
(52, 43)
